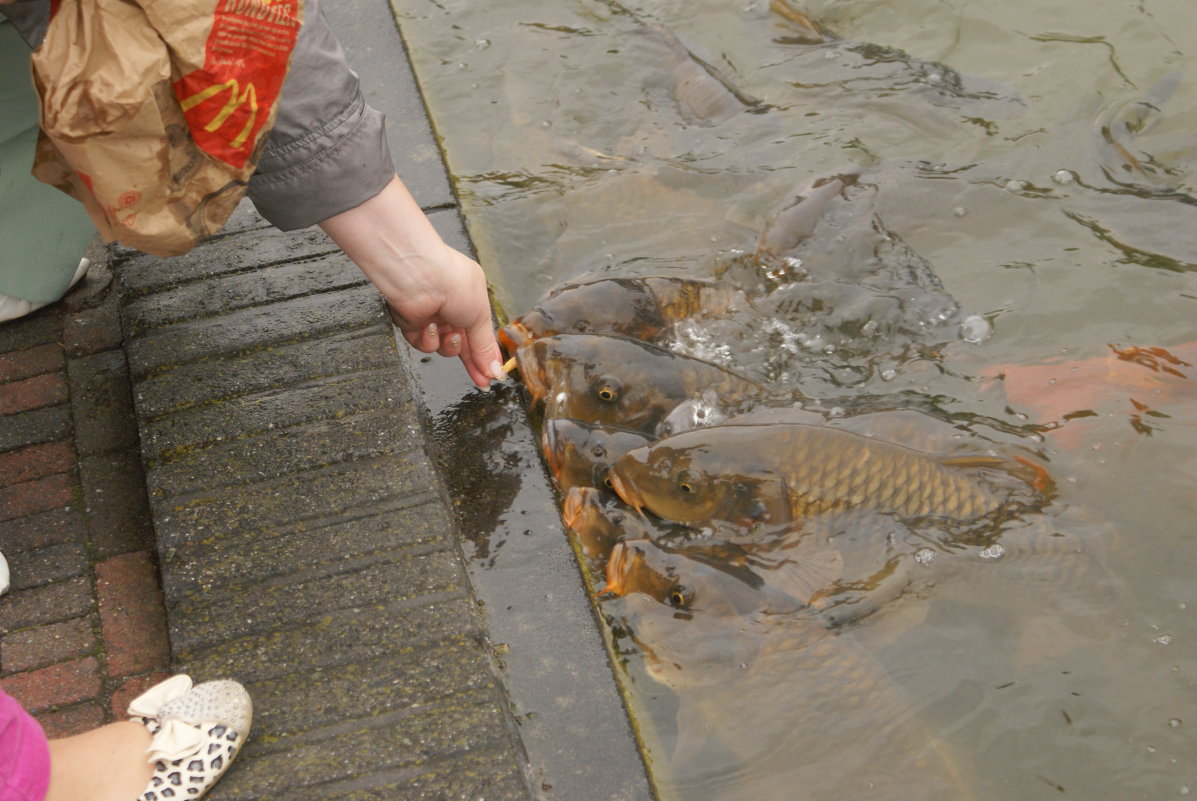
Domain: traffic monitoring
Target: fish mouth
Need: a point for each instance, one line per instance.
(615, 569)
(626, 492)
(532, 372)
(574, 505)
(514, 336)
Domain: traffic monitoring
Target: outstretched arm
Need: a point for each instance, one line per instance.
(437, 295)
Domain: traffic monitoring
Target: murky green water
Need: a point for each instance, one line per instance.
(1051, 190)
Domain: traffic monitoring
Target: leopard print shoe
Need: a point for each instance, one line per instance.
(197, 731)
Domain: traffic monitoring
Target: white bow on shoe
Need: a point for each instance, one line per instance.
(196, 731)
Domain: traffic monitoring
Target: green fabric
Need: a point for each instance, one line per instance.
(43, 233)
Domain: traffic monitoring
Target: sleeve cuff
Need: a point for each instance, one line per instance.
(332, 170)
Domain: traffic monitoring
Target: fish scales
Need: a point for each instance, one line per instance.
(779, 472)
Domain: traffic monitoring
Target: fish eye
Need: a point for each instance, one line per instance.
(680, 597)
(582, 326)
(599, 452)
(608, 390)
(687, 482)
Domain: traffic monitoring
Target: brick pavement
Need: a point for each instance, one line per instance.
(83, 628)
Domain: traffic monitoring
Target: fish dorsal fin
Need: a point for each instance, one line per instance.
(1032, 473)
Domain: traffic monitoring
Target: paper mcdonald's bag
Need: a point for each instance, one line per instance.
(154, 112)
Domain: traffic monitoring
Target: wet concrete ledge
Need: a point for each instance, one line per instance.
(310, 545)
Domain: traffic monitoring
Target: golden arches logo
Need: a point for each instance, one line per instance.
(236, 99)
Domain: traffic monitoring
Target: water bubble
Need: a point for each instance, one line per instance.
(835, 411)
(546, 124)
(1174, 723)
(888, 374)
(1063, 176)
(831, 55)
(924, 556)
(481, 44)
(960, 211)
(1163, 639)
(995, 551)
(1184, 789)
(461, 65)
(975, 329)
(934, 77)
(1015, 185)
(869, 328)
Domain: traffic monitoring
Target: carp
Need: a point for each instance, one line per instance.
(714, 577)
(598, 520)
(616, 381)
(580, 454)
(754, 476)
(641, 308)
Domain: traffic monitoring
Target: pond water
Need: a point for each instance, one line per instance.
(1010, 249)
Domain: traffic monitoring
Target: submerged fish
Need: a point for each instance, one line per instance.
(617, 381)
(713, 577)
(580, 454)
(750, 476)
(642, 307)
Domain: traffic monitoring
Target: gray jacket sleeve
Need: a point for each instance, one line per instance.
(327, 152)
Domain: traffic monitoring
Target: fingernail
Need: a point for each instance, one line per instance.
(496, 371)
(453, 342)
(432, 330)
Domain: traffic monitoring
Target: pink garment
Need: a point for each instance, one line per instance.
(24, 754)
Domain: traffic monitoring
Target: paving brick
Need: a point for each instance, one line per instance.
(48, 424)
(134, 686)
(42, 645)
(189, 385)
(222, 255)
(35, 461)
(49, 604)
(249, 459)
(16, 365)
(132, 617)
(42, 529)
(233, 612)
(247, 330)
(40, 328)
(223, 294)
(102, 403)
(95, 329)
(47, 389)
(47, 565)
(312, 498)
(118, 518)
(255, 414)
(58, 685)
(39, 495)
(72, 720)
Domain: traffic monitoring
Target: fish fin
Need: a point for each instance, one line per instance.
(801, 576)
(1024, 469)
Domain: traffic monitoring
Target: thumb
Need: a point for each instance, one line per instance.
(482, 351)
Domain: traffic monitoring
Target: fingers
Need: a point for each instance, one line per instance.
(426, 339)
